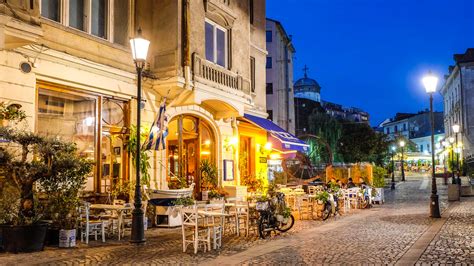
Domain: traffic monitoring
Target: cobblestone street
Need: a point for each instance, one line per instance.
(381, 235)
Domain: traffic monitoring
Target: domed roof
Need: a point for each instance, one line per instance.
(307, 82)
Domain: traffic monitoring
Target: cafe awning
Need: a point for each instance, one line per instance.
(277, 135)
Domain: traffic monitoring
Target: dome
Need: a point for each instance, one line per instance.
(307, 88)
(307, 82)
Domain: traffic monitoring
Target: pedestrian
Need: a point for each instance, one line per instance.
(350, 184)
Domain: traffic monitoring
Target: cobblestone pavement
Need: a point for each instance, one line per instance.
(380, 235)
(455, 241)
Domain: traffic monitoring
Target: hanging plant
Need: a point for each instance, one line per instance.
(11, 112)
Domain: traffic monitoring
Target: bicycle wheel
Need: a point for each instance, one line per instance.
(283, 227)
(263, 228)
(326, 212)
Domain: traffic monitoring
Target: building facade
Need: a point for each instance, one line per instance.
(279, 86)
(68, 63)
(458, 94)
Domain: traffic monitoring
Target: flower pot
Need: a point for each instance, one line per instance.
(280, 218)
(205, 195)
(24, 238)
(52, 237)
(67, 238)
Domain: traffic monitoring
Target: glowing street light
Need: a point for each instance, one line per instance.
(402, 145)
(139, 47)
(430, 82)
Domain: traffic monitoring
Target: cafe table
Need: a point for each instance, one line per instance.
(119, 209)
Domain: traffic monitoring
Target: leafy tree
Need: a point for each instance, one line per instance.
(360, 143)
(329, 130)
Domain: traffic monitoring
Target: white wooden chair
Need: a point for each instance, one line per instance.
(351, 195)
(240, 215)
(192, 231)
(88, 226)
(216, 224)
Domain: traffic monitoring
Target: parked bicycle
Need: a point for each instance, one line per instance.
(274, 215)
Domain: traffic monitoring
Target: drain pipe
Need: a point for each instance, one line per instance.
(186, 44)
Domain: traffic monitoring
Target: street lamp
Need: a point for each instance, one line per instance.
(431, 81)
(451, 140)
(139, 47)
(393, 168)
(456, 131)
(445, 145)
(402, 144)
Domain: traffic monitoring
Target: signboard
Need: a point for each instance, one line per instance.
(263, 159)
(228, 170)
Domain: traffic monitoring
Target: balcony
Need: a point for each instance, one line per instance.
(218, 77)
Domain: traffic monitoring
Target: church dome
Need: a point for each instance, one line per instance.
(307, 88)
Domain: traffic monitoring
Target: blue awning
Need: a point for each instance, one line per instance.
(287, 140)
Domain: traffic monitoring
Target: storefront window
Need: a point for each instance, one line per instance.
(72, 118)
(190, 140)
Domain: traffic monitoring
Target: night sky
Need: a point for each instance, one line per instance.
(372, 54)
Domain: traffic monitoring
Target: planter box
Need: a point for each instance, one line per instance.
(67, 238)
(380, 196)
(24, 238)
(453, 192)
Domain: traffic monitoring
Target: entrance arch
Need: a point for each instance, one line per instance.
(191, 140)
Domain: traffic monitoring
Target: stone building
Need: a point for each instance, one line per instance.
(279, 88)
(308, 100)
(68, 63)
(458, 94)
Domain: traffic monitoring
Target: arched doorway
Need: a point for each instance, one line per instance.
(190, 140)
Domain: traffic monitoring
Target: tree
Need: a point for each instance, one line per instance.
(360, 143)
(329, 130)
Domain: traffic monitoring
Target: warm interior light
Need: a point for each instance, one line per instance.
(207, 142)
(205, 152)
(89, 121)
(456, 128)
(139, 47)
(275, 156)
(268, 146)
(430, 82)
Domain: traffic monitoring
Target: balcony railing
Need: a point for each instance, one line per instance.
(217, 76)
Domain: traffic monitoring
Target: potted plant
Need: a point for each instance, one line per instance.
(379, 174)
(25, 159)
(10, 112)
(217, 194)
(62, 194)
(208, 178)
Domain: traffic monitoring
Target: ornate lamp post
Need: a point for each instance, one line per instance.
(445, 145)
(430, 81)
(451, 140)
(402, 145)
(139, 52)
(456, 131)
(393, 148)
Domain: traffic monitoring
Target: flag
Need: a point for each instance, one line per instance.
(159, 130)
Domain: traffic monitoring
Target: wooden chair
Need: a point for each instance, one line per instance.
(88, 226)
(216, 224)
(192, 231)
(239, 214)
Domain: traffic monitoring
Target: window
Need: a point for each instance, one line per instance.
(99, 18)
(421, 147)
(428, 147)
(51, 9)
(251, 11)
(252, 74)
(270, 114)
(216, 43)
(388, 130)
(404, 127)
(269, 88)
(269, 62)
(76, 14)
(91, 16)
(269, 36)
(396, 129)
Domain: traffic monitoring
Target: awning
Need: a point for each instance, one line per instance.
(278, 135)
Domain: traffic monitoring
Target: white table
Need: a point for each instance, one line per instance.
(119, 209)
